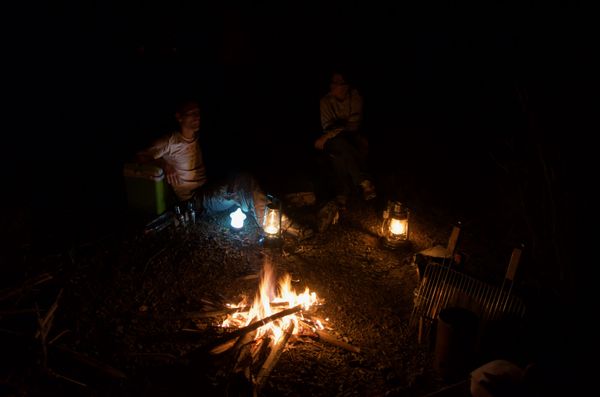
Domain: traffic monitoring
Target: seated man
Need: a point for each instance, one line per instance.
(180, 156)
(341, 117)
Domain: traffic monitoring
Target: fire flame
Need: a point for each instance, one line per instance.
(271, 298)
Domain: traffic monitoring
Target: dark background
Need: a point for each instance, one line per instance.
(475, 107)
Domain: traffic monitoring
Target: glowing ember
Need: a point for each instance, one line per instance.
(271, 299)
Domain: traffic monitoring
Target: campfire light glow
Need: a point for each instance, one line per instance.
(263, 330)
(272, 297)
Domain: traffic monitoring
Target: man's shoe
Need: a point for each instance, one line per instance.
(299, 232)
(294, 229)
(341, 201)
(328, 215)
(369, 192)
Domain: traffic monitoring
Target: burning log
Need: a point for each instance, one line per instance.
(214, 313)
(242, 331)
(244, 359)
(228, 310)
(267, 367)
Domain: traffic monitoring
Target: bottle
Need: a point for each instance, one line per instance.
(191, 213)
(180, 217)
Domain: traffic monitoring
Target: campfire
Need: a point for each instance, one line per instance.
(259, 332)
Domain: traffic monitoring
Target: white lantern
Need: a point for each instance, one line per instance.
(237, 219)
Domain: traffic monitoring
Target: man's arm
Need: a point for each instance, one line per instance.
(154, 155)
(331, 125)
(356, 112)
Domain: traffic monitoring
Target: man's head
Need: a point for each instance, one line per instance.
(339, 86)
(187, 115)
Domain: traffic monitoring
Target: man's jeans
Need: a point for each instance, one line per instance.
(348, 163)
(240, 191)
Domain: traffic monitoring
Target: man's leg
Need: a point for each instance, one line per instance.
(241, 191)
(346, 163)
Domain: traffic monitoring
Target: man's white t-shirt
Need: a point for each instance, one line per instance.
(186, 157)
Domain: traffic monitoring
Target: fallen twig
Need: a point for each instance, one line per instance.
(326, 337)
(46, 323)
(92, 362)
(42, 278)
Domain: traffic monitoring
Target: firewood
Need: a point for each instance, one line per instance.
(269, 364)
(228, 310)
(243, 348)
(71, 380)
(46, 323)
(242, 331)
(42, 278)
(215, 313)
(261, 350)
(326, 337)
(101, 367)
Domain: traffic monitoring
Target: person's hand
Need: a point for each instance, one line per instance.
(320, 142)
(171, 174)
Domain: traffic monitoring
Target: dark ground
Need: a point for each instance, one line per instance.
(123, 297)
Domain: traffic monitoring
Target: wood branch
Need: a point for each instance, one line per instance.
(215, 313)
(248, 277)
(59, 376)
(223, 347)
(227, 310)
(456, 389)
(42, 278)
(326, 337)
(46, 323)
(101, 367)
(242, 331)
(260, 350)
(269, 364)
(60, 335)
(244, 354)
(13, 312)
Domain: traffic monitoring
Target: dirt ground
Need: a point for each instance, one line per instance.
(111, 316)
(120, 328)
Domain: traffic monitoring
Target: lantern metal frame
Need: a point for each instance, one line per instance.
(272, 217)
(396, 216)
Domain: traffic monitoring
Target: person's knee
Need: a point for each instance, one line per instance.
(337, 145)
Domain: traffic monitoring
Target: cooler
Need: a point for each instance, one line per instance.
(146, 188)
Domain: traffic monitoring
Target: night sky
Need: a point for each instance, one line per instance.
(468, 92)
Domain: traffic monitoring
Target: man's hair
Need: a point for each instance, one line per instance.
(343, 71)
(183, 102)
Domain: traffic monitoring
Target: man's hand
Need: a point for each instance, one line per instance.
(171, 174)
(320, 142)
